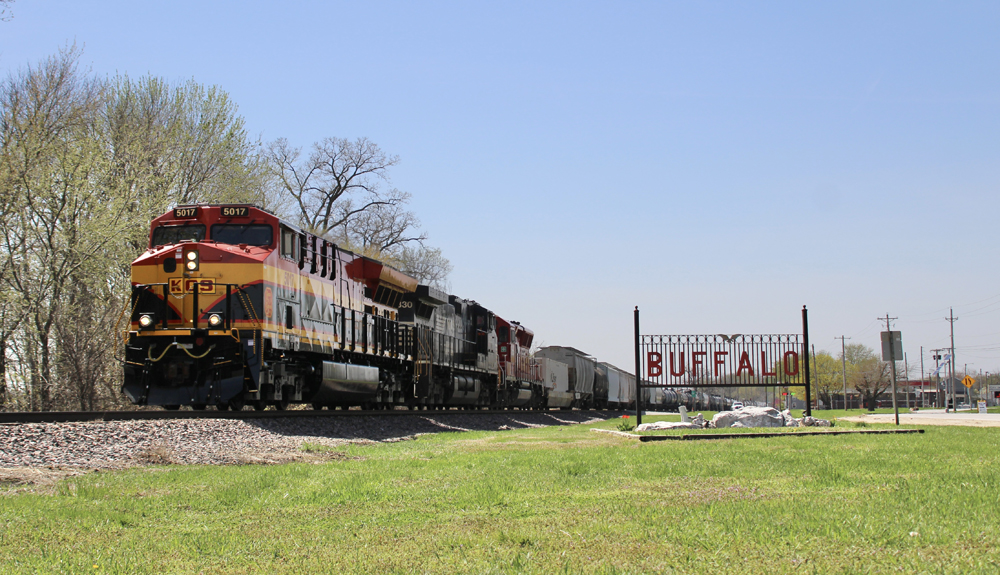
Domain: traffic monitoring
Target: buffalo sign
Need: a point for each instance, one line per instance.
(720, 360)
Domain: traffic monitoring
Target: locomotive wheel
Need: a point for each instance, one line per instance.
(198, 406)
(259, 405)
(171, 407)
(281, 405)
(318, 406)
(236, 404)
(222, 407)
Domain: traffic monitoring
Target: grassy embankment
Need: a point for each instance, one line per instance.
(560, 499)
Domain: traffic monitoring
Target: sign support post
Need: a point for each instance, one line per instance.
(805, 350)
(892, 362)
(891, 339)
(638, 374)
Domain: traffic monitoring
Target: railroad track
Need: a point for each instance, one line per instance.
(72, 416)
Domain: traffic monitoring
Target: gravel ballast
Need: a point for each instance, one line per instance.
(121, 444)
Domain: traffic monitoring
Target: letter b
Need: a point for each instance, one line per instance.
(654, 364)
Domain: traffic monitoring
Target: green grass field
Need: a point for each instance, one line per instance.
(547, 500)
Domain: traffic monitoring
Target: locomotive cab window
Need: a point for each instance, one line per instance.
(164, 235)
(288, 238)
(250, 234)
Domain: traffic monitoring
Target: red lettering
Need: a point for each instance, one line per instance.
(679, 372)
(695, 362)
(763, 365)
(744, 364)
(653, 364)
(719, 362)
(795, 356)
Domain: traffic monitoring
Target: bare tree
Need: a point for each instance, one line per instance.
(339, 181)
(868, 374)
(6, 15)
(427, 265)
(380, 228)
(342, 191)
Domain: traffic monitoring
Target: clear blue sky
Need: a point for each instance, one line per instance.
(718, 164)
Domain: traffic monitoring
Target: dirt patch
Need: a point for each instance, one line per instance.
(15, 480)
(970, 420)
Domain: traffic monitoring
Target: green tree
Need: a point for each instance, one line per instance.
(825, 379)
(85, 163)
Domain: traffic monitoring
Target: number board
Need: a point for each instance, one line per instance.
(234, 211)
(185, 212)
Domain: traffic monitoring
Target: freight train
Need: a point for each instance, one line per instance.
(233, 307)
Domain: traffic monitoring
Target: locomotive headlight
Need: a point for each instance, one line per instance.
(146, 320)
(215, 320)
(192, 261)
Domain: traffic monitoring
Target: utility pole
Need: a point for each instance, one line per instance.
(980, 386)
(906, 379)
(951, 364)
(936, 355)
(892, 364)
(923, 394)
(843, 364)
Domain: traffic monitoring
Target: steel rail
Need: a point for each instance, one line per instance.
(16, 417)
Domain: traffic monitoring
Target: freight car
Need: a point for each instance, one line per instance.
(580, 373)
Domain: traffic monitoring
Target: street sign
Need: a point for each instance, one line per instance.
(967, 381)
(897, 346)
(994, 388)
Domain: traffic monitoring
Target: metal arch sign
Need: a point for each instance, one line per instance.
(722, 360)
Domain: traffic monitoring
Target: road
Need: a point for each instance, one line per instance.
(931, 417)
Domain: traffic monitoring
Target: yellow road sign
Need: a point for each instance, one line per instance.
(967, 381)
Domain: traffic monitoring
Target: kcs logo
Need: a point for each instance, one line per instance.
(189, 285)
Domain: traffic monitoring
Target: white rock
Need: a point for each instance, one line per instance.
(749, 416)
(789, 420)
(659, 425)
(809, 421)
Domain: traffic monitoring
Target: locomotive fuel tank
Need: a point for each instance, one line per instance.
(347, 384)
